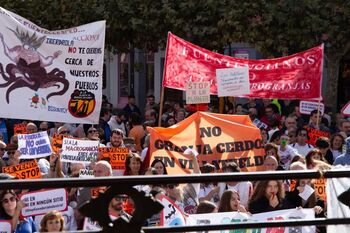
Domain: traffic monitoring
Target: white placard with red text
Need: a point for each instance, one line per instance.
(43, 201)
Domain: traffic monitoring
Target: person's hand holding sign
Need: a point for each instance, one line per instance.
(193, 154)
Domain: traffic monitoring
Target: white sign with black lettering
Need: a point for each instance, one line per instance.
(76, 150)
(306, 107)
(41, 202)
(233, 81)
(85, 173)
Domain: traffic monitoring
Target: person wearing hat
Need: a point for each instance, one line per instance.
(12, 154)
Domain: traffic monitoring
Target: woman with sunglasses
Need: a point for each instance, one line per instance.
(10, 209)
(53, 221)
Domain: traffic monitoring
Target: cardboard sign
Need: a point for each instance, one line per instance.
(346, 109)
(76, 150)
(27, 170)
(314, 134)
(320, 188)
(233, 81)
(36, 145)
(20, 129)
(5, 226)
(56, 144)
(41, 202)
(306, 107)
(197, 92)
(85, 173)
(115, 156)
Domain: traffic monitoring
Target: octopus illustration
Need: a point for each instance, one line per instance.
(28, 67)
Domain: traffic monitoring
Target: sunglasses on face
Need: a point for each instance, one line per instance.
(8, 200)
(65, 132)
(121, 198)
(11, 152)
(92, 131)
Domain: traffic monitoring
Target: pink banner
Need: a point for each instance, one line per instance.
(298, 76)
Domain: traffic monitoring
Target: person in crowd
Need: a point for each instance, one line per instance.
(275, 137)
(10, 209)
(180, 114)
(137, 131)
(169, 121)
(344, 159)
(230, 201)
(292, 134)
(244, 188)
(116, 208)
(105, 116)
(271, 116)
(301, 144)
(151, 103)
(159, 166)
(289, 124)
(337, 142)
(31, 128)
(116, 139)
(151, 115)
(313, 158)
(316, 121)
(133, 165)
(345, 128)
(271, 149)
(286, 152)
(323, 144)
(52, 222)
(186, 196)
(131, 107)
(270, 163)
(268, 196)
(264, 136)
(63, 130)
(205, 207)
(44, 126)
(208, 191)
(117, 122)
(91, 132)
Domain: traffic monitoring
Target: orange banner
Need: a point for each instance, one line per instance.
(20, 129)
(28, 170)
(218, 138)
(314, 134)
(320, 188)
(115, 156)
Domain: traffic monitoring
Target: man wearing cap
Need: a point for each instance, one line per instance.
(116, 208)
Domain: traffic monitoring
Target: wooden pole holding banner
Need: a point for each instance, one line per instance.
(161, 106)
(318, 113)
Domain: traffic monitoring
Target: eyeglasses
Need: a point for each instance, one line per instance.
(8, 200)
(42, 129)
(92, 131)
(11, 152)
(303, 134)
(172, 186)
(65, 132)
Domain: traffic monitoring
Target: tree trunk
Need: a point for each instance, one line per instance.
(332, 82)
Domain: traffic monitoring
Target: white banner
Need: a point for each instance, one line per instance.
(76, 150)
(90, 225)
(171, 215)
(228, 217)
(338, 189)
(5, 226)
(36, 145)
(233, 81)
(50, 75)
(41, 202)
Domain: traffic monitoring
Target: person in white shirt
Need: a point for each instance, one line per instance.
(286, 152)
(301, 144)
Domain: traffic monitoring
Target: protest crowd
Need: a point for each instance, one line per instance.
(285, 132)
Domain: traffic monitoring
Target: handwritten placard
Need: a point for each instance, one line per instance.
(306, 107)
(197, 92)
(36, 145)
(5, 226)
(233, 81)
(20, 129)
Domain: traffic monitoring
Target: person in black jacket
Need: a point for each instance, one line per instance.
(268, 196)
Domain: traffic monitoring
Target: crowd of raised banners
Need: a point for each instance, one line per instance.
(256, 132)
